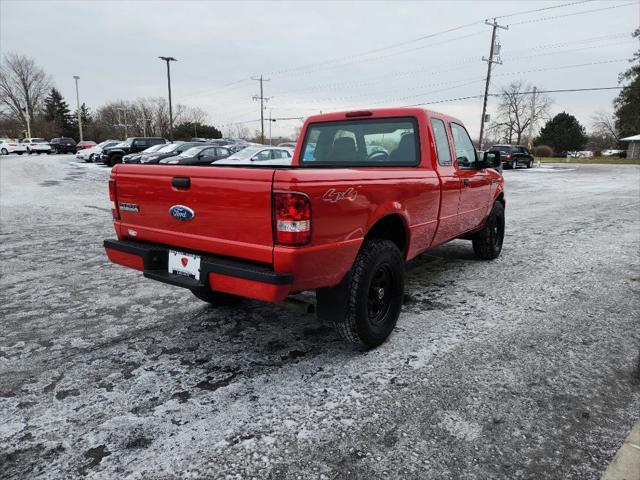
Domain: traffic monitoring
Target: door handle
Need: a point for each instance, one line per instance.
(465, 182)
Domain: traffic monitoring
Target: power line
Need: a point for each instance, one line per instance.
(543, 8)
(414, 40)
(461, 64)
(465, 80)
(564, 90)
(544, 19)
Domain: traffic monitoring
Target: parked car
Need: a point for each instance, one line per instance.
(85, 144)
(258, 156)
(580, 154)
(290, 145)
(513, 155)
(112, 155)
(89, 154)
(36, 145)
(340, 224)
(135, 157)
(170, 150)
(611, 152)
(198, 155)
(8, 146)
(63, 145)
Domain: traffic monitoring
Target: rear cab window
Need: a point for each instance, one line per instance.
(380, 142)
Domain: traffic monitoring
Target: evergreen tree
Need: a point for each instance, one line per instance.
(56, 111)
(627, 103)
(188, 130)
(563, 133)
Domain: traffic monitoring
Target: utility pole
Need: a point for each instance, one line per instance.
(121, 109)
(489, 61)
(532, 118)
(169, 59)
(262, 99)
(270, 121)
(78, 103)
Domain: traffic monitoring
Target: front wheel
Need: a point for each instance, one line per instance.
(216, 298)
(365, 306)
(530, 164)
(19, 153)
(487, 243)
(4, 151)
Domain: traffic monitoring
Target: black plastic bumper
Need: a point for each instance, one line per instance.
(155, 260)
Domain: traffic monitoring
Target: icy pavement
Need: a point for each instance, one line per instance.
(525, 367)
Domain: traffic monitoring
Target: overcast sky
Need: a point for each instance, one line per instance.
(323, 56)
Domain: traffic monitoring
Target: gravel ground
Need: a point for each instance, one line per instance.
(524, 367)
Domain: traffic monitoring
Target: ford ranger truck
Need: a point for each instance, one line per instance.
(366, 192)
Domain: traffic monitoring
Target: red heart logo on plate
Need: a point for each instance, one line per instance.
(184, 261)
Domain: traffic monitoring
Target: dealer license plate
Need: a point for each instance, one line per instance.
(185, 264)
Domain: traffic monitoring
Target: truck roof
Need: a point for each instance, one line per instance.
(379, 113)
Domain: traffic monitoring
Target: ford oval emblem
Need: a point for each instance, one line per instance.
(180, 212)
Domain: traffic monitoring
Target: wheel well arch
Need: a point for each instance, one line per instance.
(390, 227)
(500, 198)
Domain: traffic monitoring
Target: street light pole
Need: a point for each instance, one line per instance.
(169, 59)
(78, 103)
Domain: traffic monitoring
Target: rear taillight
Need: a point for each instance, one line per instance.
(114, 199)
(291, 218)
(509, 156)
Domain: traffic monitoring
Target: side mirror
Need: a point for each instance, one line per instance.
(490, 160)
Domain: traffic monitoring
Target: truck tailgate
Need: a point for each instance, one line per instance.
(231, 208)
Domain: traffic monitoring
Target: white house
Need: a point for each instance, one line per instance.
(633, 150)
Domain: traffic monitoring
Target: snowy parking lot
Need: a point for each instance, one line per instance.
(524, 367)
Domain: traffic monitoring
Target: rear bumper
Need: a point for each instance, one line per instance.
(223, 274)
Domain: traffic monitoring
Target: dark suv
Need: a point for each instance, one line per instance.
(63, 145)
(113, 155)
(513, 155)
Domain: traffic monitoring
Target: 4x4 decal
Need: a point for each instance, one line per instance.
(332, 196)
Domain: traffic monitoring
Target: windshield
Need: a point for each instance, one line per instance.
(154, 148)
(245, 153)
(193, 151)
(371, 142)
(38, 140)
(169, 148)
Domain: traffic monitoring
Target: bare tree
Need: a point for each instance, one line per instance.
(194, 115)
(514, 113)
(604, 125)
(22, 84)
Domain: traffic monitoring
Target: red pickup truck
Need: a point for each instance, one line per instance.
(366, 191)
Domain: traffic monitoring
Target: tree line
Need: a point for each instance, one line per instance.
(28, 97)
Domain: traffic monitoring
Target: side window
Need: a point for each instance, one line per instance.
(465, 151)
(442, 141)
(263, 155)
(209, 152)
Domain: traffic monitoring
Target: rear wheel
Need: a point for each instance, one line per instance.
(216, 298)
(487, 243)
(4, 151)
(19, 153)
(365, 306)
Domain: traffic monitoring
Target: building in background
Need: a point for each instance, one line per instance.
(633, 150)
